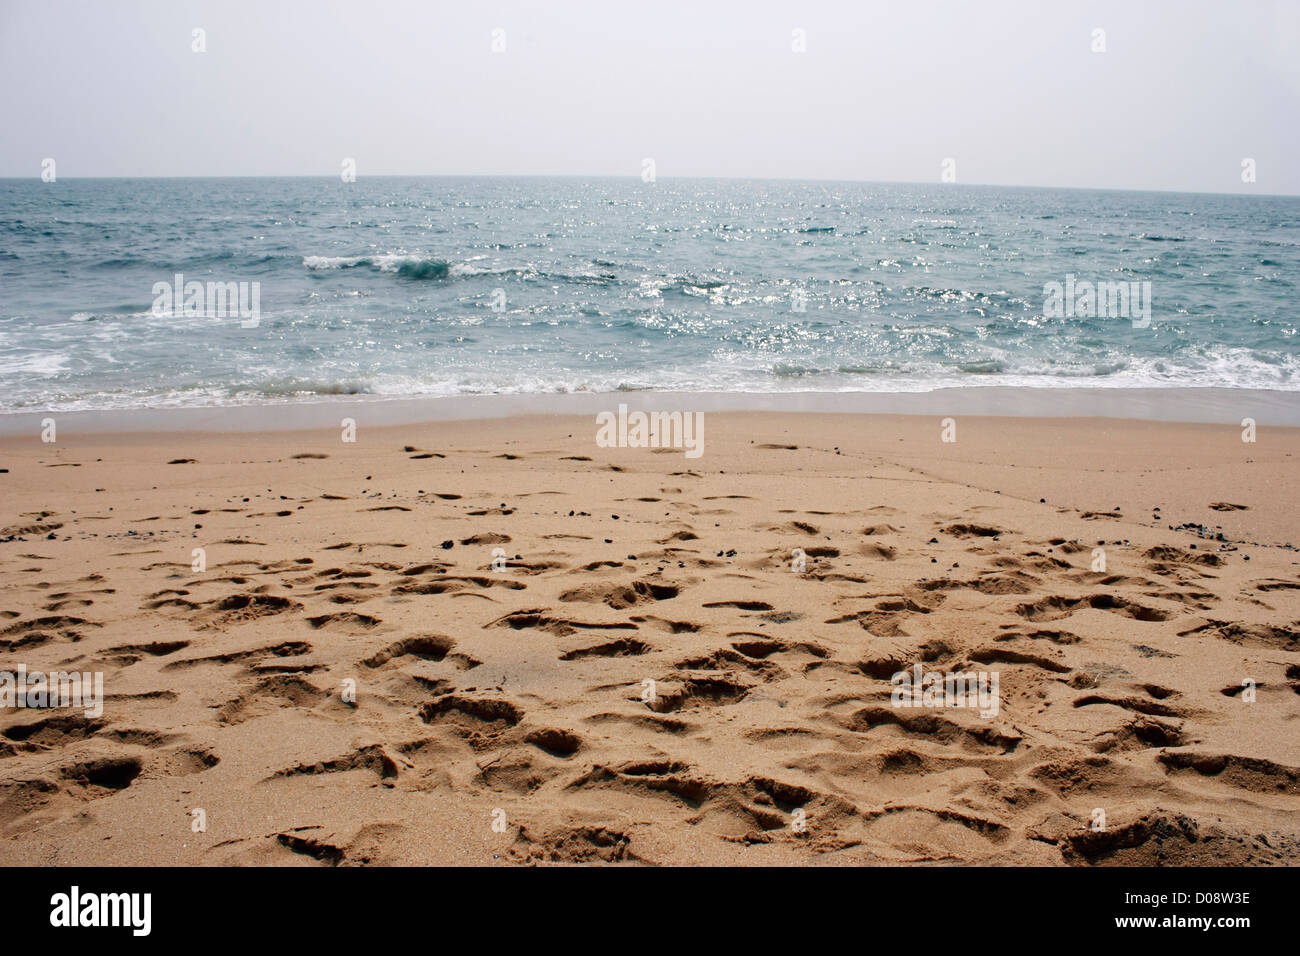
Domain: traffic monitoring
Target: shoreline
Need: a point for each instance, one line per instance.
(1209, 405)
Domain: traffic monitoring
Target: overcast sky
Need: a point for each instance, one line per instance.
(1012, 91)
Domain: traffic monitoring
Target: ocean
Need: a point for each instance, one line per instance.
(438, 286)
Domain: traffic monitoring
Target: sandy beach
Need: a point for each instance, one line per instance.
(496, 642)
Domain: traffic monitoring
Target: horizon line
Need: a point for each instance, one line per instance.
(777, 179)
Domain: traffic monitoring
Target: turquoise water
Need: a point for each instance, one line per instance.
(452, 286)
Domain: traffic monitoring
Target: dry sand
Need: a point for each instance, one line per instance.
(515, 697)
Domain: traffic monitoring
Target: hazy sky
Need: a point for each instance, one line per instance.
(885, 91)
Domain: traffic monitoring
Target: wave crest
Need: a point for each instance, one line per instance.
(408, 267)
